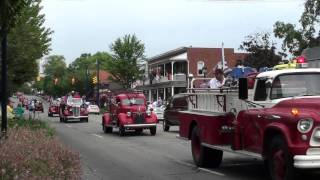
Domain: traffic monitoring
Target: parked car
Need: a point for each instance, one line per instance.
(92, 108)
(175, 104)
(54, 108)
(128, 111)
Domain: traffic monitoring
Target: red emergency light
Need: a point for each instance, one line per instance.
(301, 59)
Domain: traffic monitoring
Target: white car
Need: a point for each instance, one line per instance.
(93, 109)
(159, 112)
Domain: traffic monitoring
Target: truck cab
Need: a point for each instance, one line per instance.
(277, 121)
(128, 111)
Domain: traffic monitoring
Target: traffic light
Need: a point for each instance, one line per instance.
(73, 81)
(94, 80)
(55, 81)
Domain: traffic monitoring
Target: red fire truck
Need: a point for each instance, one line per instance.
(278, 120)
(128, 111)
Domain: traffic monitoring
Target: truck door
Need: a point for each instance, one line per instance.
(254, 122)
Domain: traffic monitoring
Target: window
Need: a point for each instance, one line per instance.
(291, 85)
(200, 65)
(261, 90)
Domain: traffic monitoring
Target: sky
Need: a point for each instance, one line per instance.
(89, 26)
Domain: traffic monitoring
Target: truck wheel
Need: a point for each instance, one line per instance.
(106, 129)
(280, 162)
(50, 115)
(165, 125)
(153, 131)
(122, 131)
(61, 119)
(204, 156)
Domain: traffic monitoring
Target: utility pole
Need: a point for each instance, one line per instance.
(4, 95)
(98, 83)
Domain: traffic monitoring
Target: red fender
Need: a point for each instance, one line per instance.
(124, 119)
(106, 118)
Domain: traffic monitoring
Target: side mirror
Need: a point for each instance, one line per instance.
(243, 88)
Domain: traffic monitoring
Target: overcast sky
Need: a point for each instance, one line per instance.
(88, 26)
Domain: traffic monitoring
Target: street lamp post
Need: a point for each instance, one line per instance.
(98, 83)
(4, 95)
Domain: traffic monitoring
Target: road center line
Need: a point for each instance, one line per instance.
(201, 169)
(97, 136)
(212, 172)
(68, 126)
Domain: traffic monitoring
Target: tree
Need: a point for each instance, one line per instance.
(84, 67)
(55, 73)
(28, 41)
(261, 51)
(294, 39)
(123, 67)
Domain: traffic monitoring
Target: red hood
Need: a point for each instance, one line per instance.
(303, 103)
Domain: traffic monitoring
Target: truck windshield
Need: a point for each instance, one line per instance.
(291, 85)
(132, 101)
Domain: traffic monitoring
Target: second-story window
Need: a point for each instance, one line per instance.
(200, 65)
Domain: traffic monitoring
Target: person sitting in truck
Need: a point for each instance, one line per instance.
(218, 81)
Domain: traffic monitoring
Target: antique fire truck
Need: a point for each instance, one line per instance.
(72, 108)
(277, 120)
(128, 111)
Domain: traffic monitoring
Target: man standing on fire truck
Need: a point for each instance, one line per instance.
(218, 81)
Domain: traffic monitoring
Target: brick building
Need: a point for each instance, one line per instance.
(168, 72)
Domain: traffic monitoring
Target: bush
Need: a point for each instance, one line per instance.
(29, 153)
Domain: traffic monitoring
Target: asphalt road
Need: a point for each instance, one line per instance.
(142, 157)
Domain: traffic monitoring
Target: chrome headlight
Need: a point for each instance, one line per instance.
(129, 114)
(305, 125)
(148, 113)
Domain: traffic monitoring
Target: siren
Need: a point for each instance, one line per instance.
(302, 62)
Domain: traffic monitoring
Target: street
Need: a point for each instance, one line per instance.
(109, 156)
(160, 157)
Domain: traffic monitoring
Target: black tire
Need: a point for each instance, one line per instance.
(204, 156)
(153, 131)
(122, 131)
(279, 160)
(50, 115)
(165, 125)
(138, 131)
(61, 119)
(107, 129)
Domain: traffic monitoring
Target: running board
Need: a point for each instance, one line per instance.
(228, 149)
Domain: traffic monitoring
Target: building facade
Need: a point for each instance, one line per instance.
(167, 73)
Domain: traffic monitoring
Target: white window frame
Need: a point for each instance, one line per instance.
(200, 65)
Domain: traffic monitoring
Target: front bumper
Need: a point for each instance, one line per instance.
(134, 126)
(76, 117)
(306, 161)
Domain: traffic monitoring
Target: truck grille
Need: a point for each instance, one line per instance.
(76, 111)
(138, 118)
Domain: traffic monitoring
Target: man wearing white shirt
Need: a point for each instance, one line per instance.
(218, 81)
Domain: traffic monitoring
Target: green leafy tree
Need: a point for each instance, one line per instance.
(10, 11)
(55, 74)
(123, 67)
(28, 41)
(84, 68)
(261, 51)
(296, 39)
